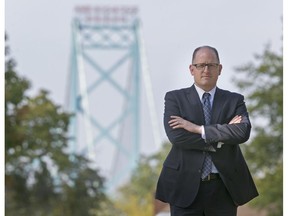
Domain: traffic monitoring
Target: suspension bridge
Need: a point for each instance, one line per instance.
(108, 72)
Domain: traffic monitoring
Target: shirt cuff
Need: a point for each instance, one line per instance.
(203, 132)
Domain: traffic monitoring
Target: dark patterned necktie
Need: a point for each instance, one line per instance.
(207, 165)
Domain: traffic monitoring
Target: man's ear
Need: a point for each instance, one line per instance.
(220, 69)
(191, 69)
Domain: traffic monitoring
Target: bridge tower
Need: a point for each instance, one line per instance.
(107, 67)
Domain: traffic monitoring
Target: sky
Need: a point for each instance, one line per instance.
(40, 37)
(40, 40)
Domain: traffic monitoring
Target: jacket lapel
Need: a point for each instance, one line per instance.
(217, 106)
(196, 105)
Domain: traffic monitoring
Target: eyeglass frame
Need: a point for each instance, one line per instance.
(212, 66)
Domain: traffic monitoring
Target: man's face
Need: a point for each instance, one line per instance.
(205, 69)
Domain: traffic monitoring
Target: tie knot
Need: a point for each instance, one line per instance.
(206, 95)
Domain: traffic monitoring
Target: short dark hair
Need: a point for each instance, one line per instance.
(209, 47)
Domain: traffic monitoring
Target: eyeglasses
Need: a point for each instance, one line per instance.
(211, 66)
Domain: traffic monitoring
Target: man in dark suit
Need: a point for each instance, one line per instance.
(205, 172)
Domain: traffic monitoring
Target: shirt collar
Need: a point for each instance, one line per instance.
(201, 92)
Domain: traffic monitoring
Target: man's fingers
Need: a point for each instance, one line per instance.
(236, 119)
(175, 122)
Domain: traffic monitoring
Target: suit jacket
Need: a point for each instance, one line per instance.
(181, 173)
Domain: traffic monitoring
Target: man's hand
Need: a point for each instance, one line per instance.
(178, 122)
(236, 119)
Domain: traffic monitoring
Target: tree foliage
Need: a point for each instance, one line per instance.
(136, 197)
(262, 83)
(41, 176)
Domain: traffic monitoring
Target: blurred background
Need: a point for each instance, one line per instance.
(84, 92)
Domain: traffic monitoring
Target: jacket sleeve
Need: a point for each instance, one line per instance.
(180, 137)
(231, 133)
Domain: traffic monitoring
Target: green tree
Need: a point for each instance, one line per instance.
(136, 197)
(262, 83)
(41, 177)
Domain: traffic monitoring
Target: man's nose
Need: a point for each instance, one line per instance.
(206, 68)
